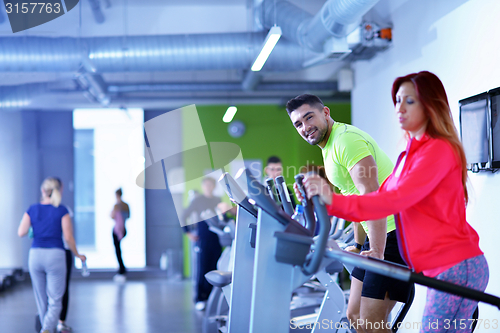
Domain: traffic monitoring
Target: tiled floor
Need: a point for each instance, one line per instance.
(150, 305)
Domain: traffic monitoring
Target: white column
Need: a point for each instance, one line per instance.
(11, 193)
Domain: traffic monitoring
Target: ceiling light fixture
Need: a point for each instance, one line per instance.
(267, 47)
(229, 115)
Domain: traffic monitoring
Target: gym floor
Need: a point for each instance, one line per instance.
(150, 305)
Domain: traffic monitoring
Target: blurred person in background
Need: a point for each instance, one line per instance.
(47, 259)
(207, 242)
(273, 169)
(120, 213)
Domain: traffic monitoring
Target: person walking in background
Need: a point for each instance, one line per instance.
(206, 241)
(61, 326)
(47, 260)
(120, 213)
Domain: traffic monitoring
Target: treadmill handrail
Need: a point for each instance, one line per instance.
(307, 203)
(339, 231)
(400, 272)
(281, 186)
(312, 266)
(258, 193)
(455, 289)
(271, 190)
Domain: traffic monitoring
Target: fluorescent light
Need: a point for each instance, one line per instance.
(269, 43)
(229, 115)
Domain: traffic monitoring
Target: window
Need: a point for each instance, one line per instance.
(109, 154)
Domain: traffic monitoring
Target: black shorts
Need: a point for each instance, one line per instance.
(376, 285)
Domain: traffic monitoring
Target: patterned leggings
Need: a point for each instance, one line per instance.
(443, 311)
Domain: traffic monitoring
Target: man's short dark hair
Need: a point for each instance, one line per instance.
(300, 100)
(119, 192)
(273, 159)
(208, 179)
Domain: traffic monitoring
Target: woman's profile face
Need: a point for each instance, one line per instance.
(410, 111)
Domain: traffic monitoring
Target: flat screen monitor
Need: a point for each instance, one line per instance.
(474, 130)
(495, 126)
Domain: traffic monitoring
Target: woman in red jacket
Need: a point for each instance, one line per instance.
(427, 194)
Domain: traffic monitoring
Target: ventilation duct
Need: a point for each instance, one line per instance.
(322, 37)
(333, 20)
(18, 97)
(21, 96)
(146, 53)
(218, 86)
(192, 52)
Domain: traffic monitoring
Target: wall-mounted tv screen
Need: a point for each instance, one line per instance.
(495, 126)
(474, 130)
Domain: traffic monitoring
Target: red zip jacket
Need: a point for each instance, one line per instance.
(428, 202)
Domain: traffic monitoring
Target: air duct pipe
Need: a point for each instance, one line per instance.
(189, 52)
(18, 97)
(146, 53)
(333, 20)
(21, 96)
(220, 86)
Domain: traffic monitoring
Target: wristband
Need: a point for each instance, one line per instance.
(359, 246)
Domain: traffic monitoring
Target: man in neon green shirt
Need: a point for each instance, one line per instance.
(356, 165)
(344, 149)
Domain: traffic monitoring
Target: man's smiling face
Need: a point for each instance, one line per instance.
(311, 123)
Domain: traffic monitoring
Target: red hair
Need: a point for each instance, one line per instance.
(430, 91)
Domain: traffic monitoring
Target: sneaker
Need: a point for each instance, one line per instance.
(200, 306)
(121, 278)
(63, 328)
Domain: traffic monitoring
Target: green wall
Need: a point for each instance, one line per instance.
(269, 131)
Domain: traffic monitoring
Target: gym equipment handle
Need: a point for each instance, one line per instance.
(312, 266)
(271, 190)
(308, 209)
(402, 273)
(452, 288)
(258, 193)
(283, 194)
(338, 229)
